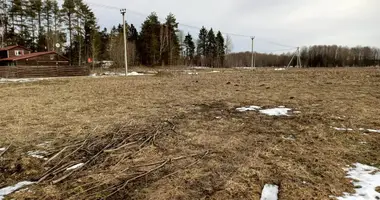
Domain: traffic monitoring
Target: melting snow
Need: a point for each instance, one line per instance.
(117, 74)
(10, 189)
(38, 154)
(249, 108)
(279, 111)
(2, 149)
(75, 166)
(192, 73)
(343, 129)
(373, 131)
(279, 69)
(366, 179)
(20, 80)
(270, 192)
(276, 111)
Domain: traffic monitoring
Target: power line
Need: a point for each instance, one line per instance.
(189, 26)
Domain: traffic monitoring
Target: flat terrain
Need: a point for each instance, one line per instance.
(178, 135)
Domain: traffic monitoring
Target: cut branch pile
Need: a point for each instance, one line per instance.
(106, 165)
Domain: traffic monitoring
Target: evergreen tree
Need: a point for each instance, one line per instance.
(211, 48)
(190, 48)
(68, 10)
(149, 41)
(172, 53)
(220, 49)
(202, 42)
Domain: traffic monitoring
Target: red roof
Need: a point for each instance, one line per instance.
(12, 47)
(31, 55)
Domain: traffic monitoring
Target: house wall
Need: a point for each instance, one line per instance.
(11, 53)
(3, 54)
(44, 60)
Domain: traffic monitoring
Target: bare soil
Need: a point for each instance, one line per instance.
(179, 136)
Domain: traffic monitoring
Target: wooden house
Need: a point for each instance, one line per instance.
(21, 56)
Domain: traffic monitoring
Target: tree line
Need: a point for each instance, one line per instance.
(159, 44)
(313, 56)
(71, 29)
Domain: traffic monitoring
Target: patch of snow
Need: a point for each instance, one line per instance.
(366, 178)
(38, 154)
(270, 192)
(279, 69)
(44, 144)
(21, 80)
(249, 108)
(3, 149)
(290, 138)
(276, 111)
(75, 166)
(192, 73)
(373, 131)
(10, 189)
(343, 129)
(200, 67)
(214, 71)
(135, 74)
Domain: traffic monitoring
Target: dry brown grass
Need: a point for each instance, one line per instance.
(246, 150)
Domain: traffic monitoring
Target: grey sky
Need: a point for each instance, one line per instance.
(289, 22)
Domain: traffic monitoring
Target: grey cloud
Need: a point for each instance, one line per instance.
(292, 22)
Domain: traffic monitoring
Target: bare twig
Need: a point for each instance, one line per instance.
(171, 174)
(6, 149)
(137, 177)
(120, 147)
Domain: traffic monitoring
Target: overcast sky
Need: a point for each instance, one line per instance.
(288, 22)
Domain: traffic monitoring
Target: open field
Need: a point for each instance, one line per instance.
(178, 135)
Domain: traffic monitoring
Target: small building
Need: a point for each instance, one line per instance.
(13, 51)
(21, 56)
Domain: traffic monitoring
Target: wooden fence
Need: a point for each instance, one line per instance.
(42, 71)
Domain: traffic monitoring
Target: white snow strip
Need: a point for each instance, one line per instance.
(2, 149)
(343, 129)
(37, 154)
(276, 111)
(118, 74)
(192, 73)
(270, 192)
(10, 189)
(75, 166)
(373, 131)
(249, 108)
(214, 71)
(366, 179)
(21, 80)
(279, 69)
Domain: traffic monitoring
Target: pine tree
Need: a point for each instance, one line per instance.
(190, 48)
(220, 49)
(68, 10)
(149, 41)
(211, 48)
(173, 51)
(202, 42)
(47, 13)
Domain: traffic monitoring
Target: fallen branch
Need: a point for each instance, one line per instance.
(6, 149)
